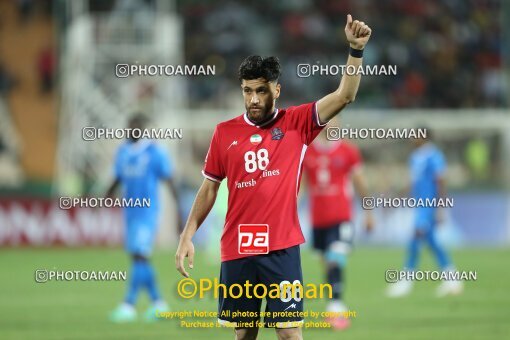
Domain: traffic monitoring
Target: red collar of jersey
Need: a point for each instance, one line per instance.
(249, 122)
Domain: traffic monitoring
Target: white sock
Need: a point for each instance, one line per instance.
(336, 306)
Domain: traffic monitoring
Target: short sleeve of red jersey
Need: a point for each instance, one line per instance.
(306, 119)
(213, 167)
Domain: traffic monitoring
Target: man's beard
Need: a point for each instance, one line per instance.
(258, 116)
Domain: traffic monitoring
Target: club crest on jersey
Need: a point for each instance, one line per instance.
(276, 133)
(255, 139)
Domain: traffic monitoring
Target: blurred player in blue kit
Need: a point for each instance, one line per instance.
(427, 166)
(140, 164)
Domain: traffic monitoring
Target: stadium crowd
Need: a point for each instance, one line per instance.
(448, 53)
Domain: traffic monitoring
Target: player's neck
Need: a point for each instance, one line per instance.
(424, 146)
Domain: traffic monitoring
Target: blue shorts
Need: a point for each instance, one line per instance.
(278, 267)
(140, 235)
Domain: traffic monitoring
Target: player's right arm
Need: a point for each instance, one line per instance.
(361, 187)
(357, 34)
(203, 204)
(117, 168)
(112, 188)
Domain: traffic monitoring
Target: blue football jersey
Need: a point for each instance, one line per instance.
(139, 167)
(427, 164)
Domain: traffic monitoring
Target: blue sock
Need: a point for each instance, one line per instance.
(135, 281)
(150, 282)
(413, 253)
(439, 252)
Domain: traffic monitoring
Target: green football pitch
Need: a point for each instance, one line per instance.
(78, 309)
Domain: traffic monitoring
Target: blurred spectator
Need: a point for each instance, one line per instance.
(2, 146)
(448, 53)
(46, 69)
(7, 81)
(25, 9)
(477, 155)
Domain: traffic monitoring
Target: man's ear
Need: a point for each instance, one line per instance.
(277, 91)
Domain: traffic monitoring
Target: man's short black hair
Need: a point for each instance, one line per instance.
(254, 67)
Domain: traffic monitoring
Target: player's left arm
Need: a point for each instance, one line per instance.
(358, 34)
(441, 191)
(361, 187)
(439, 166)
(441, 186)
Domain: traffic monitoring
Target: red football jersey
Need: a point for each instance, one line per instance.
(263, 165)
(328, 169)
